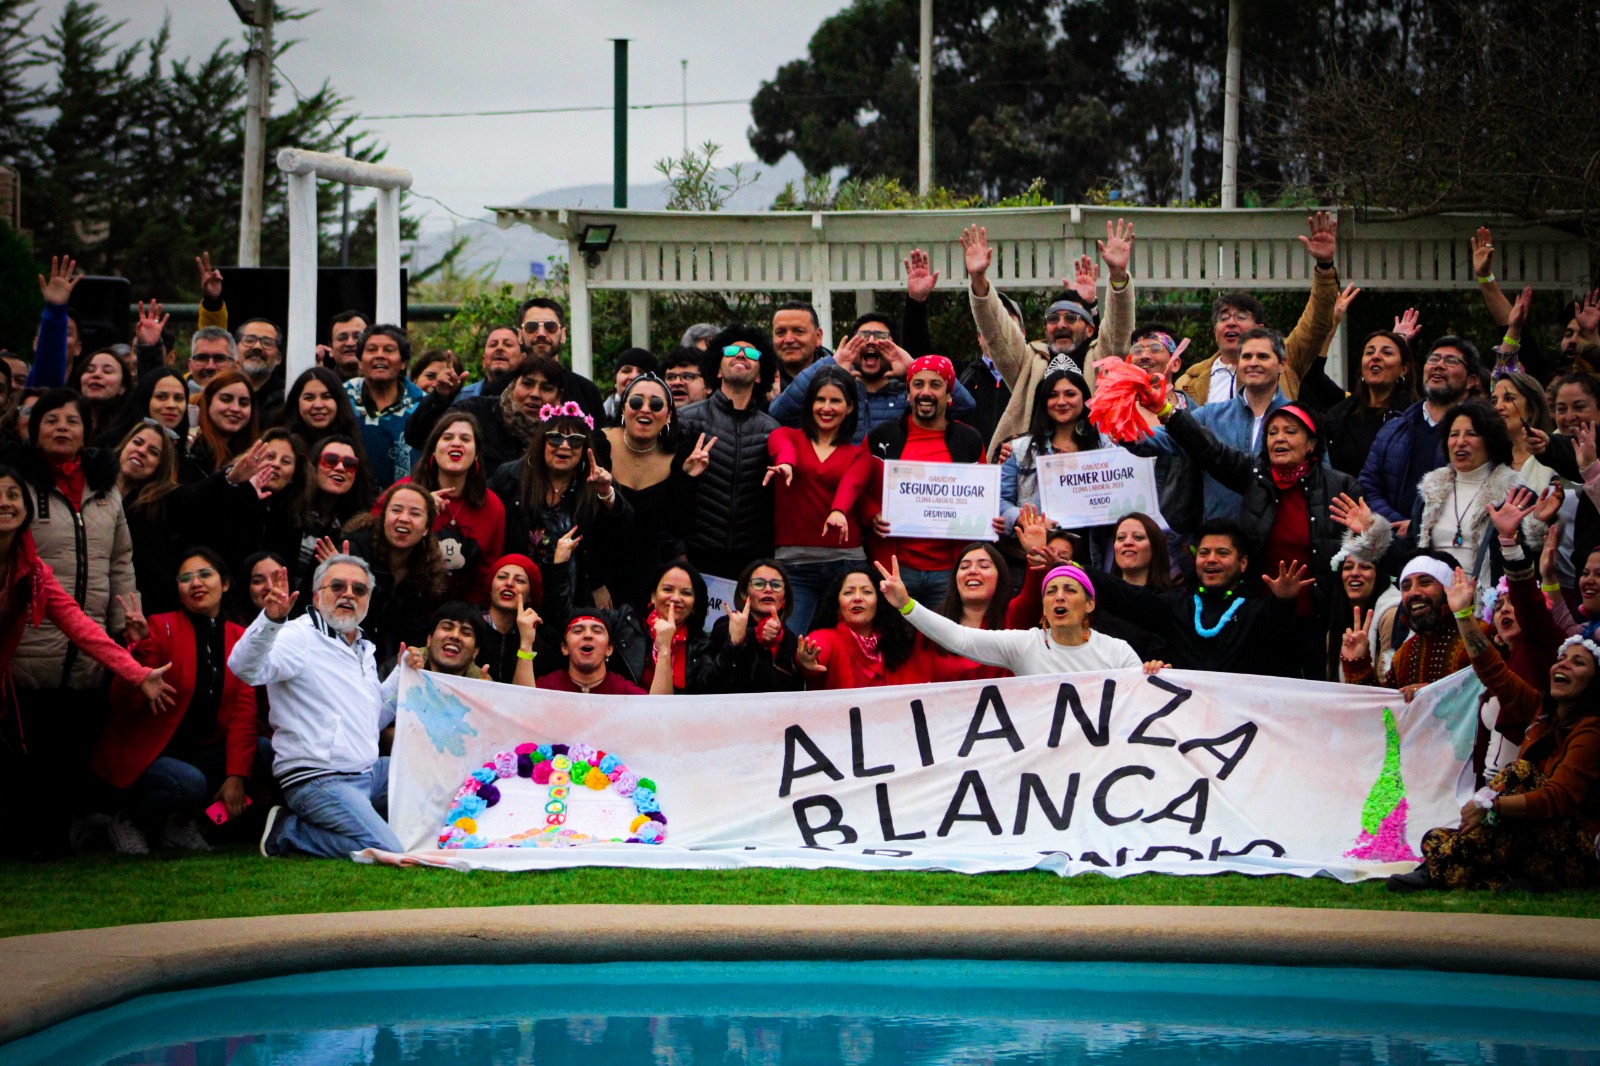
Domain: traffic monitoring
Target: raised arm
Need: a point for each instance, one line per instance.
(1306, 340)
(1482, 248)
(920, 281)
(990, 647)
(50, 353)
(260, 657)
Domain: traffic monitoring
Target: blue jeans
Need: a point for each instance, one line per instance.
(335, 814)
(807, 583)
(185, 784)
(927, 587)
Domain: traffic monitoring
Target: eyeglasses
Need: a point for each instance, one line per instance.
(260, 342)
(1451, 361)
(1235, 316)
(1063, 316)
(551, 328)
(764, 584)
(874, 334)
(741, 351)
(636, 403)
(203, 357)
(340, 586)
(557, 439)
(205, 573)
(1149, 349)
(683, 377)
(334, 462)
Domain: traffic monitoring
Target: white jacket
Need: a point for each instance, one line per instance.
(327, 707)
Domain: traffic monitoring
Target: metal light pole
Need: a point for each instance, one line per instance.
(1230, 107)
(258, 100)
(925, 104)
(685, 64)
(619, 134)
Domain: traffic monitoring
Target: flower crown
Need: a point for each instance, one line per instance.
(570, 409)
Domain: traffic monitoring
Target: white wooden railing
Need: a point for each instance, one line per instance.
(862, 251)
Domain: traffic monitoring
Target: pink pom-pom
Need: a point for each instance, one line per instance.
(526, 749)
(542, 772)
(1122, 392)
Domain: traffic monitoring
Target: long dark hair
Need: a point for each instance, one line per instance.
(896, 638)
(1160, 576)
(20, 592)
(423, 563)
(165, 478)
(137, 409)
(344, 416)
(535, 481)
(345, 507)
(99, 414)
(1340, 610)
(1041, 429)
(426, 473)
(994, 612)
(237, 598)
(702, 599)
(841, 380)
(1406, 388)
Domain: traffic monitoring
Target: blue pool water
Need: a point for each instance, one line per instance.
(886, 1013)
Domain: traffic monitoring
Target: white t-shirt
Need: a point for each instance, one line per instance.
(1024, 651)
(1223, 384)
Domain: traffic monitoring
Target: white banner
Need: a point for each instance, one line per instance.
(1184, 772)
(1096, 488)
(941, 501)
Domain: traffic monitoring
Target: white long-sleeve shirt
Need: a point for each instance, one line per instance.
(1024, 651)
(327, 707)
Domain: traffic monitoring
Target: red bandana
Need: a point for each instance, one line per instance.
(1286, 477)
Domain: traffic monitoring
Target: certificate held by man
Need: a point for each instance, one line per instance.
(1096, 488)
(941, 501)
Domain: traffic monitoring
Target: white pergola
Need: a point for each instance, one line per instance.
(821, 253)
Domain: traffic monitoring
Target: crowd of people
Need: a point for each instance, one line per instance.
(208, 575)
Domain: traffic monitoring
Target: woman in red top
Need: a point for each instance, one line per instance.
(30, 595)
(820, 475)
(204, 751)
(469, 518)
(854, 644)
(974, 597)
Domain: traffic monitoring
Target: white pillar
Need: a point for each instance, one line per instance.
(302, 353)
(639, 308)
(1338, 362)
(388, 308)
(258, 101)
(925, 103)
(578, 329)
(1230, 107)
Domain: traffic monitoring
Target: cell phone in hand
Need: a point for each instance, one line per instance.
(218, 811)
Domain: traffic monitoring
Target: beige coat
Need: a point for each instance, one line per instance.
(1023, 365)
(1303, 344)
(98, 535)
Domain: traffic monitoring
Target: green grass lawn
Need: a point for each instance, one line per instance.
(96, 890)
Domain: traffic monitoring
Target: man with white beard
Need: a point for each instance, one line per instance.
(327, 711)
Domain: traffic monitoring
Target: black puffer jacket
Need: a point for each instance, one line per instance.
(734, 524)
(1251, 477)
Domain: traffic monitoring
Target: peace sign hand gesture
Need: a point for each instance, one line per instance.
(565, 546)
(893, 589)
(1353, 647)
(137, 626)
(700, 457)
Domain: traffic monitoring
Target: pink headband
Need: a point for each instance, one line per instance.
(936, 363)
(1074, 572)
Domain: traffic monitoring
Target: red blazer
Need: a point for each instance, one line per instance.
(134, 737)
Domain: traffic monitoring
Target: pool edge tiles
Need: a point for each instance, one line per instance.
(55, 976)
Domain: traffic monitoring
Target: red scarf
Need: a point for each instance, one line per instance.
(776, 642)
(1287, 477)
(680, 647)
(69, 479)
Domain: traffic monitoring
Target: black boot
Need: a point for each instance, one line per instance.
(1415, 881)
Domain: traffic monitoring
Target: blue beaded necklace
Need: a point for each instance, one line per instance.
(1227, 616)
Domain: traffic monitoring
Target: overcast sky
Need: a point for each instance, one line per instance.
(393, 56)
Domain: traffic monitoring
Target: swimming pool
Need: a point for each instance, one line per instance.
(679, 1014)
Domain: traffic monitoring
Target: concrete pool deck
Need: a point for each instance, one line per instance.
(51, 977)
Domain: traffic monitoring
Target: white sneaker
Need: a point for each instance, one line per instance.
(266, 832)
(182, 833)
(126, 837)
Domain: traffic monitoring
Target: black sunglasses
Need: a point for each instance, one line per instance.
(555, 438)
(636, 403)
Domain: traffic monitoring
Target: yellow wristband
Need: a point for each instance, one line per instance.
(1487, 279)
(1551, 588)
(1465, 612)
(1166, 409)
(1507, 342)
(528, 655)
(910, 606)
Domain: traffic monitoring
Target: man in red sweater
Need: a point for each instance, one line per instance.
(585, 643)
(926, 434)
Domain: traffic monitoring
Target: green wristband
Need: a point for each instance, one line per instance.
(910, 605)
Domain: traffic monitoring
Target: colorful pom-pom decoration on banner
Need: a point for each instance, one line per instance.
(1121, 394)
(562, 768)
